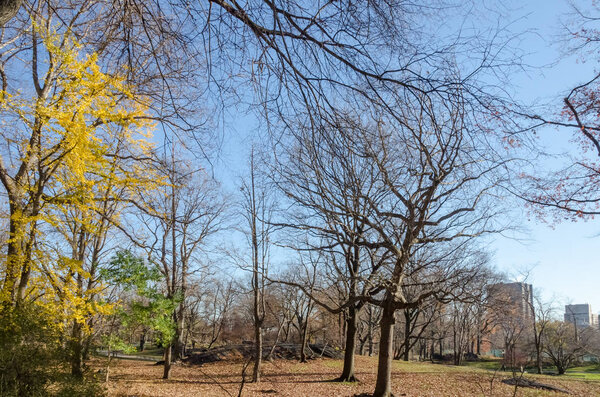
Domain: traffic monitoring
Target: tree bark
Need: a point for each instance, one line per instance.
(383, 385)
(370, 331)
(351, 329)
(258, 347)
(14, 253)
(407, 324)
(142, 340)
(167, 364)
(178, 345)
(304, 338)
(76, 350)
(8, 9)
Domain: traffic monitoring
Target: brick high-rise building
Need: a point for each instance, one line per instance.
(509, 312)
(518, 297)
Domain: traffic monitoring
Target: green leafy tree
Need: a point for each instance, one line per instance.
(150, 307)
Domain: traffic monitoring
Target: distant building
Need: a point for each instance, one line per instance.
(581, 315)
(510, 311)
(516, 297)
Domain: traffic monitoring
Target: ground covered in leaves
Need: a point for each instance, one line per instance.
(291, 378)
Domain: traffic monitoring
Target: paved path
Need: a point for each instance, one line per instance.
(127, 356)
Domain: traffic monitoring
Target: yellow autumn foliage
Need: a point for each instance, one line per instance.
(86, 134)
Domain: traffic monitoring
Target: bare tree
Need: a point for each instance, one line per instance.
(561, 346)
(541, 316)
(415, 322)
(175, 227)
(217, 309)
(328, 186)
(368, 323)
(439, 179)
(257, 211)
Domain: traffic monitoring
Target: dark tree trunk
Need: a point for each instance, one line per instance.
(76, 350)
(383, 385)
(167, 364)
(178, 345)
(407, 325)
(13, 255)
(351, 328)
(142, 340)
(258, 343)
(304, 338)
(370, 332)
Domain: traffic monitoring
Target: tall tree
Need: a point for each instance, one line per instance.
(176, 223)
(329, 185)
(439, 174)
(258, 211)
(67, 131)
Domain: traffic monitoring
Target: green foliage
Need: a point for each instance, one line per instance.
(152, 308)
(27, 345)
(113, 342)
(32, 357)
(131, 273)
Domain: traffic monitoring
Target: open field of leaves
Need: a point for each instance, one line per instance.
(291, 378)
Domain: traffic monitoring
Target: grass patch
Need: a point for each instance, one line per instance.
(428, 367)
(300, 368)
(583, 375)
(586, 368)
(337, 364)
(155, 352)
(490, 365)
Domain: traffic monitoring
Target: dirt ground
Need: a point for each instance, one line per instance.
(291, 378)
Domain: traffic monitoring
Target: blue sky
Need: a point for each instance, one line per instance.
(561, 258)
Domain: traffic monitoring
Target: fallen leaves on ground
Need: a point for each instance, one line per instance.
(291, 378)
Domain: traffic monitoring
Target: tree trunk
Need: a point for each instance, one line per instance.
(143, 340)
(108, 363)
(351, 328)
(76, 350)
(258, 347)
(179, 346)
(383, 385)
(407, 324)
(370, 332)
(14, 254)
(270, 356)
(167, 364)
(304, 337)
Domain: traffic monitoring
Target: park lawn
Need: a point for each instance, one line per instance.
(589, 372)
(153, 352)
(595, 367)
(291, 378)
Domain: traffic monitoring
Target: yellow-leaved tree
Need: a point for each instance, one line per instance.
(77, 143)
